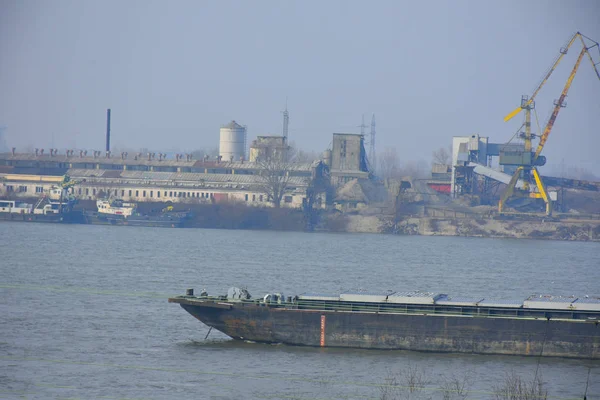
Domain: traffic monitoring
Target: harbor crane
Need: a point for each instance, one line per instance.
(527, 161)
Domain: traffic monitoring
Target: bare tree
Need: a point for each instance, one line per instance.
(390, 389)
(415, 169)
(391, 167)
(407, 384)
(513, 387)
(415, 378)
(274, 179)
(456, 387)
(388, 163)
(442, 156)
(297, 155)
(318, 186)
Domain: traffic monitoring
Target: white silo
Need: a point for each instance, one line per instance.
(232, 141)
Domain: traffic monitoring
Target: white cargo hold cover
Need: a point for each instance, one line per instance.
(365, 297)
(549, 302)
(319, 296)
(500, 303)
(446, 300)
(415, 297)
(587, 304)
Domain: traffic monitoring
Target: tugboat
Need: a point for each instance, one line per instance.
(117, 212)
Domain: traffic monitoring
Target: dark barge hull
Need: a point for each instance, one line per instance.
(148, 221)
(67, 218)
(419, 332)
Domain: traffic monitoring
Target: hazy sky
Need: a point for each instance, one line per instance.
(174, 71)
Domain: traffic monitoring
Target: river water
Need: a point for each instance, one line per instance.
(84, 312)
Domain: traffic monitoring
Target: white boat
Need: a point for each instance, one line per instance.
(118, 212)
(115, 207)
(14, 207)
(53, 206)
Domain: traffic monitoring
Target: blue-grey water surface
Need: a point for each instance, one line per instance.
(84, 312)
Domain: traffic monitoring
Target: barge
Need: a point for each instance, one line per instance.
(550, 326)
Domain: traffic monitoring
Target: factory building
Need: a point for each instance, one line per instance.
(347, 159)
(152, 178)
(478, 165)
(269, 148)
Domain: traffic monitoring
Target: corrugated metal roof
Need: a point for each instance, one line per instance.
(111, 174)
(143, 160)
(85, 173)
(114, 160)
(183, 177)
(147, 175)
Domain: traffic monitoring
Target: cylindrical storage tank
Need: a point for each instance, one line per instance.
(232, 142)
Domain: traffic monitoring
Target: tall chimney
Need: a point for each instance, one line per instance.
(108, 130)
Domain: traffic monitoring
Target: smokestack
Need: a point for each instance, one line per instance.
(108, 130)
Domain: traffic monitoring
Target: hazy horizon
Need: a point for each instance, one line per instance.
(173, 73)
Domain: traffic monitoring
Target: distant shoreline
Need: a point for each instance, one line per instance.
(241, 216)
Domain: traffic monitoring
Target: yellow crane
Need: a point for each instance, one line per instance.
(530, 101)
(529, 160)
(68, 183)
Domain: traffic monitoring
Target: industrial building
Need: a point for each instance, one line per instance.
(475, 165)
(269, 148)
(482, 168)
(347, 158)
(151, 178)
(517, 166)
(154, 176)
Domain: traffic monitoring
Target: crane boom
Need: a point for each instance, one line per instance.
(558, 106)
(543, 82)
(596, 44)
